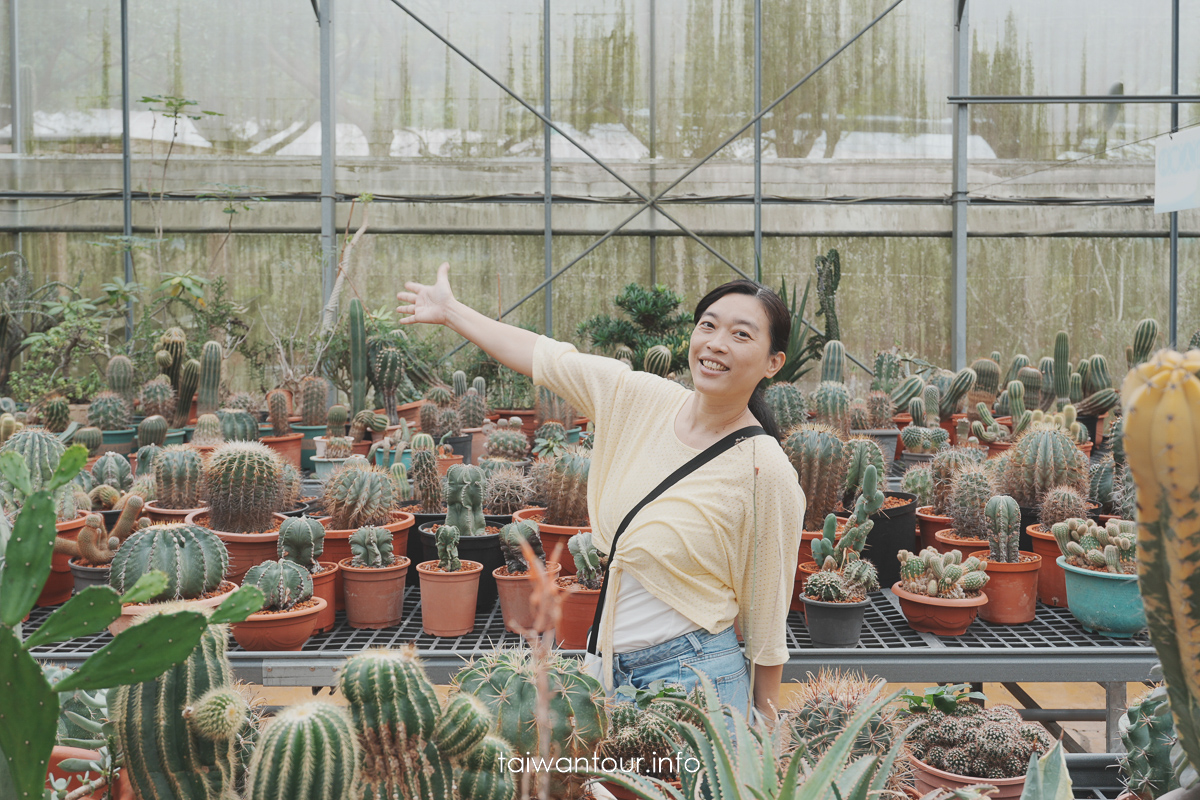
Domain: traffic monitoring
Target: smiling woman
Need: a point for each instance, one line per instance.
(690, 560)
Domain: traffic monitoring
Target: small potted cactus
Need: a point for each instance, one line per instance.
(1012, 573)
(940, 593)
(472, 411)
(581, 593)
(512, 578)
(359, 495)
(316, 416)
(970, 490)
(112, 413)
(449, 588)
(505, 444)
(818, 454)
(1101, 576)
(92, 555)
(337, 450)
(207, 435)
(302, 541)
(178, 484)
(282, 439)
(373, 580)
(288, 618)
(564, 486)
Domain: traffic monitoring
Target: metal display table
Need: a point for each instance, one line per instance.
(1053, 648)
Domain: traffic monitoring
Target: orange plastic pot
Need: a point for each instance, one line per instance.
(280, 630)
(1011, 589)
(411, 412)
(804, 555)
(1052, 580)
(245, 549)
(444, 463)
(1086, 447)
(929, 779)
(528, 419)
(448, 598)
(929, 524)
(553, 536)
(374, 597)
(131, 611)
(946, 542)
(166, 516)
(325, 583)
(516, 597)
(287, 446)
(121, 790)
(938, 615)
(337, 547)
(60, 582)
(578, 611)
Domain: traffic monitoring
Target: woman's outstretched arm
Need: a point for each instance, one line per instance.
(511, 346)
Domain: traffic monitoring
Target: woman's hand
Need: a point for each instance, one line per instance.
(431, 304)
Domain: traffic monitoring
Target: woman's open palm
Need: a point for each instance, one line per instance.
(427, 303)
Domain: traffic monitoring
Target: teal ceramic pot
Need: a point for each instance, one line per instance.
(1103, 602)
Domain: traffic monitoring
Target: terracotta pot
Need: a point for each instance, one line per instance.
(1052, 580)
(1011, 589)
(121, 790)
(448, 598)
(166, 516)
(946, 542)
(804, 571)
(901, 421)
(528, 419)
(553, 536)
(938, 615)
(204, 450)
(928, 779)
(578, 611)
(444, 463)
(478, 440)
(929, 524)
(281, 630)
(374, 597)
(996, 448)
(411, 412)
(245, 549)
(804, 554)
(337, 547)
(1086, 447)
(515, 597)
(288, 446)
(131, 612)
(950, 427)
(325, 583)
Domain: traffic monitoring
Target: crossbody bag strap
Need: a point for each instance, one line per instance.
(700, 459)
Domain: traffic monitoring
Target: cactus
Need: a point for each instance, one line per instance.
(429, 414)
(587, 560)
(1148, 733)
(189, 382)
(41, 452)
(314, 394)
(244, 482)
(400, 479)
(387, 373)
(887, 372)
(358, 495)
(208, 390)
(985, 428)
(507, 442)
(464, 499)
(1076, 391)
(945, 466)
(91, 438)
(103, 497)
(1099, 402)
(447, 548)
(1019, 362)
(1041, 460)
(1060, 504)
(145, 459)
(339, 447)
(277, 412)
(506, 489)
(367, 421)
(918, 480)
(818, 454)
(357, 330)
(1089, 546)
(172, 343)
(936, 574)
(971, 489)
(1047, 392)
(657, 360)
(109, 411)
(902, 395)
(1062, 369)
(1003, 529)
(472, 409)
(859, 419)
(282, 582)
(56, 413)
(238, 425)
(879, 412)
(861, 452)
(427, 484)
(458, 381)
(308, 752)
(152, 430)
(336, 419)
(987, 381)
(787, 404)
(192, 557)
(991, 744)
(511, 538)
(1031, 380)
(836, 555)
(119, 377)
(1144, 338)
(302, 541)
(371, 548)
(178, 477)
(113, 469)
(833, 361)
(208, 431)
(1104, 483)
(441, 396)
(9, 426)
(566, 491)
(962, 383)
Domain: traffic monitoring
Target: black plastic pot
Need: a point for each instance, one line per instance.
(88, 576)
(893, 530)
(460, 446)
(1029, 516)
(834, 624)
(1089, 421)
(484, 549)
(298, 511)
(909, 460)
(110, 517)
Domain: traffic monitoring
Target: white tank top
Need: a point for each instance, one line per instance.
(643, 620)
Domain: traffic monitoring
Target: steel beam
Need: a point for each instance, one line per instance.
(959, 199)
(758, 74)
(126, 167)
(1173, 321)
(548, 192)
(16, 107)
(1118, 99)
(329, 253)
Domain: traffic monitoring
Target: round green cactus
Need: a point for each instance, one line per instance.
(158, 397)
(918, 480)
(505, 443)
(302, 541)
(178, 476)
(109, 411)
(787, 404)
(244, 482)
(472, 409)
(113, 469)
(219, 714)
(336, 419)
(819, 456)
(208, 431)
(119, 376)
(970, 491)
(192, 557)
(308, 752)
(283, 583)
(56, 413)
(238, 425)
(152, 430)
(358, 495)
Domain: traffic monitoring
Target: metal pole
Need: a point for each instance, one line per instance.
(758, 140)
(548, 191)
(958, 240)
(126, 166)
(653, 142)
(16, 105)
(328, 152)
(1173, 327)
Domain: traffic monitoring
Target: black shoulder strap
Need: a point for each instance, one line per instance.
(699, 460)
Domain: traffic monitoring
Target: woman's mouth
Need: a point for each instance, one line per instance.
(713, 366)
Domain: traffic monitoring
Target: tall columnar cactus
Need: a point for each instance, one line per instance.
(970, 490)
(1031, 378)
(1048, 393)
(787, 404)
(427, 484)
(173, 341)
(987, 382)
(1148, 732)
(887, 373)
(336, 419)
(952, 397)
(464, 499)
(178, 477)
(945, 466)
(507, 442)
(244, 481)
(1085, 544)
(429, 418)
(119, 377)
(566, 491)
(414, 748)
(918, 480)
(861, 452)
(1062, 369)
(314, 394)
(307, 752)
(912, 387)
(833, 361)
(388, 375)
(944, 575)
(283, 583)
(1104, 483)
(173, 743)
(193, 558)
(358, 495)
(832, 553)
(399, 475)
(459, 382)
(879, 411)
(189, 382)
(208, 397)
(1041, 460)
(238, 425)
(158, 397)
(277, 412)
(1019, 362)
(1003, 529)
(932, 397)
(113, 469)
(441, 396)
(479, 384)
(829, 276)
(1144, 338)
(357, 328)
(818, 454)
(152, 430)
(302, 541)
(56, 413)
(511, 538)
(109, 411)
(472, 409)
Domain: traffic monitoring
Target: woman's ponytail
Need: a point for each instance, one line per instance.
(763, 413)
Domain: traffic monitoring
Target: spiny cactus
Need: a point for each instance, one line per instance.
(970, 490)
(464, 499)
(302, 541)
(911, 388)
(399, 475)
(56, 413)
(192, 557)
(447, 548)
(859, 419)
(566, 491)
(113, 469)
(1041, 460)
(178, 477)
(887, 373)
(91, 438)
(1089, 546)
(1047, 393)
(1144, 338)
(879, 411)
(244, 481)
(1103, 483)
(1061, 504)
(41, 451)
(103, 497)
(1004, 529)
(119, 376)
(818, 454)
(244, 401)
(277, 413)
(507, 442)
(358, 495)
(787, 403)
(170, 353)
(189, 381)
(211, 360)
(955, 390)
(208, 431)
(946, 465)
(831, 402)
(987, 382)
(282, 582)
(367, 421)
(918, 480)
(657, 360)
(339, 447)
(427, 484)
(371, 548)
(861, 452)
(920, 436)
(587, 560)
(152, 430)
(109, 411)
(1148, 732)
(314, 393)
(336, 419)
(307, 752)
(145, 459)
(550, 440)
(158, 397)
(472, 409)
(991, 744)
(936, 574)
(238, 425)
(506, 490)
(511, 538)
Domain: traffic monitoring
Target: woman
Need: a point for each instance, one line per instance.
(719, 545)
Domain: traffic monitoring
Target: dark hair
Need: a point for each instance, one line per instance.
(780, 321)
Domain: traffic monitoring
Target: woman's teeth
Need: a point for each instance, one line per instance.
(713, 365)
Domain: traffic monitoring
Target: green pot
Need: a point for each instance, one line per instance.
(176, 436)
(1103, 602)
(308, 447)
(119, 441)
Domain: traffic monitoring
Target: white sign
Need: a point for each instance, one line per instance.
(1177, 171)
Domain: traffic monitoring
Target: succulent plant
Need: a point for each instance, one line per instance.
(1041, 460)
(358, 495)
(238, 425)
(472, 408)
(587, 560)
(152, 430)
(991, 744)
(302, 541)
(970, 490)
(314, 400)
(41, 451)
(400, 478)
(244, 481)
(657, 360)
(56, 413)
(178, 477)
(946, 464)
(427, 483)
(336, 419)
(308, 752)
(339, 447)
(192, 557)
(119, 377)
(566, 491)
(113, 469)
(1110, 548)
(277, 412)
(447, 548)
(909, 389)
(506, 442)
(189, 381)
(1061, 504)
(945, 575)
(91, 438)
(1144, 338)
(861, 452)
(921, 437)
(987, 384)
(1148, 733)
(109, 411)
(212, 357)
(371, 548)
(511, 538)
(506, 489)
(1004, 529)
(464, 499)
(787, 403)
(918, 480)
(284, 583)
(244, 401)
(365, 421)
(208, 431)
(170, 353)
(818, 454)
(957, 388)
(879, 412)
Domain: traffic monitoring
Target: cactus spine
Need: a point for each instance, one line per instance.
(388, 375)
(119, 376)
(566, 491)
(244, 482)
(861, 452)
(787, 404)
(1041, 460)
(971, 488)
(109, 411)
(1062, 369)
(1004, 528)
(56, 413)
(189, 382)
(307, 752)
(472, 409)
(1144, 337)
(818, 454)
(208, 397)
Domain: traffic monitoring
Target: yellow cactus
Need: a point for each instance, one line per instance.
(1162, 444)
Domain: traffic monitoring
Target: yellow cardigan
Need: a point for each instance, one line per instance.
(705, 547)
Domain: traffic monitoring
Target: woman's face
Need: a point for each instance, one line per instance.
(731, 348)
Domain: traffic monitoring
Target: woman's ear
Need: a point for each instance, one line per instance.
(775, 362)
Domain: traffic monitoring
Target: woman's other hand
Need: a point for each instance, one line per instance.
(423, 303)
